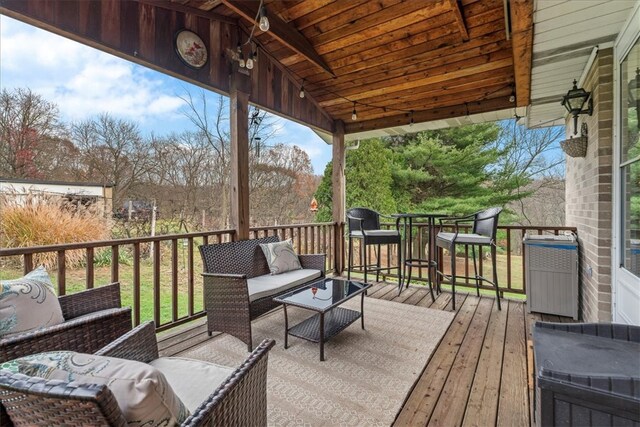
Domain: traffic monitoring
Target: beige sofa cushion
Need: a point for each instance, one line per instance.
(28, 304)
(142, 391)
(266, 285)
(192, 380)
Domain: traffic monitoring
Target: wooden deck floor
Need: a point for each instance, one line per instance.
(479, 375)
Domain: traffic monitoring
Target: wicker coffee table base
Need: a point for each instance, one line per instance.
(323, 326)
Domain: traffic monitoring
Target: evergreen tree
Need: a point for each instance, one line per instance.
(368, 181)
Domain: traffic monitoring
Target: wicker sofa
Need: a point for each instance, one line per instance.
(93, 318)
(239, 288)
(239, 400)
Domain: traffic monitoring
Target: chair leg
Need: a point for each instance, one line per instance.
(378, 265)
(366, 259)
(475, 269)
(453, 276)
(350, 258)
(495, 274)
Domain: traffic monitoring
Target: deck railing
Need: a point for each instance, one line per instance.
(160, 275)
(510, 264)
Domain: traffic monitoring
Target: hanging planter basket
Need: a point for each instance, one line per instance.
(576, 147)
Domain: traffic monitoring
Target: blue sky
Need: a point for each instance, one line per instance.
(85, 82)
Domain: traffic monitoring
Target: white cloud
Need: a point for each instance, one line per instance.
(81, 80)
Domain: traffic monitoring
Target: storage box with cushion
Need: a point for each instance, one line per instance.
(239, 286)
(34, 320)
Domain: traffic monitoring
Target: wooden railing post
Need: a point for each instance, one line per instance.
(338, 194)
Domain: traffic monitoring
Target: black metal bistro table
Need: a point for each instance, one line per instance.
(408, 261)
(324, 297)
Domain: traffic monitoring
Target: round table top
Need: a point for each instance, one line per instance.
(419, 215)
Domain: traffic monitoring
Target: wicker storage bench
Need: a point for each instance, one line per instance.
(93, 318)
(587, 374)
(238, 286)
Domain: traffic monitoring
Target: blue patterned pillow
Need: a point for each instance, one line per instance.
(281, 257)
(28, 304)
(142, 391)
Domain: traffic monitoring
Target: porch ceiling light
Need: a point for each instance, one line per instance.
(264, 20)
(574, 101)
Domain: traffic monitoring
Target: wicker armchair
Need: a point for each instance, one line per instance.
(228, 267)
(241, 399)
(93, 318)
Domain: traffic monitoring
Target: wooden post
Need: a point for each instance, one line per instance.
(239, 106)
(338, 197)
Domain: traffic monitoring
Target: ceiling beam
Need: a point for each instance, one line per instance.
(280, 30)
(429, 115)
(457, 13)
(522, 47)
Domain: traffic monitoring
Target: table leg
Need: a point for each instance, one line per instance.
(362, 310)
(322, 337)
(286, 327)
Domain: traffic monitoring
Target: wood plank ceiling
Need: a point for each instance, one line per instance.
(395, 60)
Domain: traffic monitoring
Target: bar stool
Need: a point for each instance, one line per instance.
(483, 233)
(364, 224)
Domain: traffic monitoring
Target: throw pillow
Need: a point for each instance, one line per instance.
(142, 391)
(28, 304)
(281, 257)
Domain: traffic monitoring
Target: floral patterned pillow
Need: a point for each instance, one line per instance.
(143, 393)
(281, 257)
(28, 304)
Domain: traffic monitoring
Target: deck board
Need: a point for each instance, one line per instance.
(480, 374)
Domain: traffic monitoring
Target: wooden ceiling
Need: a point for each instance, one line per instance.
(437, 58)
(394, 59)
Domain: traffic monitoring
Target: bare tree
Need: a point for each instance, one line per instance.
(113, 151)
(27, 121)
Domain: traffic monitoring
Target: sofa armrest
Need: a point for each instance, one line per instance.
(139, 344)
(314, 261)
(90, 300)
(241, 400)
(85, 334)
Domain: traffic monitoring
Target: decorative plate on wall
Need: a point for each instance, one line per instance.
(191, 49)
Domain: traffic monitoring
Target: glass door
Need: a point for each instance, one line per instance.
(626, 259)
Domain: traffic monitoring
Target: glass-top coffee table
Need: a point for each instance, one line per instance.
(324, 297)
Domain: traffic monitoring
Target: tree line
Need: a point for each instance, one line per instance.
(186, 173)
(457, 170)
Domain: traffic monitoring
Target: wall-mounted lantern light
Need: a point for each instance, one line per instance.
(574, 101)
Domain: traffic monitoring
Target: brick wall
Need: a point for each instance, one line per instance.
(589, 190)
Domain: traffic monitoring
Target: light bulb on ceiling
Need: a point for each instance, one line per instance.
(512, 98)
(249, 63)
(354, 115)
(302, 90)
(264, 21)
(241, 62)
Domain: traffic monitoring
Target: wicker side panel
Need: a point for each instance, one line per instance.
(84, 335)
(242, 257)
(314, 261)
(90, 301)
(36, 401)
(242, 399)
(226, 301)
(139, 344)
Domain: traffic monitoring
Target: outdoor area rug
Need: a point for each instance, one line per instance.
(366, 374)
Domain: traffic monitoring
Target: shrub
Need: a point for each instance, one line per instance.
(40, 219)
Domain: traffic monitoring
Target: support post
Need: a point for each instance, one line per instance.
(338, 196)
(239, 182)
